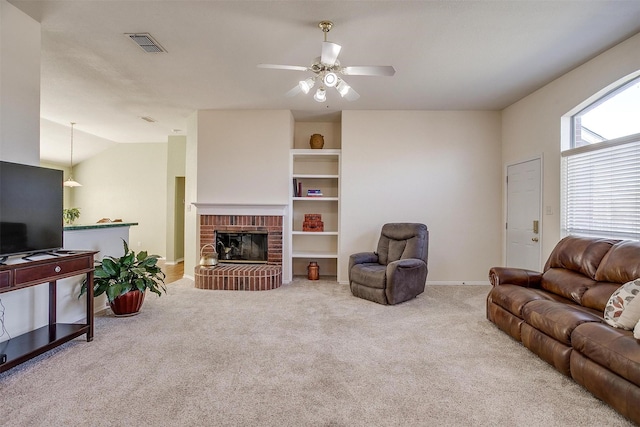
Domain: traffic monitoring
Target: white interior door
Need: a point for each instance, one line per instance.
(523, 215)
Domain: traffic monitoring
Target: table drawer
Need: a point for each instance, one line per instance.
(52, 271)
(5, 279)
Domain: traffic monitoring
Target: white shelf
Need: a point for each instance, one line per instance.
(314, 254)
(316, 199)
(310, 175)
(301, 153)
(315, 233)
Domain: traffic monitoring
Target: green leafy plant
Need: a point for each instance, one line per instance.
(117, 276)
(70, 215)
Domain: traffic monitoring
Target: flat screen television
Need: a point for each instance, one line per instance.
(30, 209)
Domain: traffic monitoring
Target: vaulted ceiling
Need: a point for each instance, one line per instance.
(448, 55)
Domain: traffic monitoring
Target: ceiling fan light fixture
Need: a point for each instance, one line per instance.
(326, 68)
(321, 95)
(330, 79)
(306, 85)
(342, 87)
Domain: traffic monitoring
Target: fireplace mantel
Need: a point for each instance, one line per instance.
(240, 209)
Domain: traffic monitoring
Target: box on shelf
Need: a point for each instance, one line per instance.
(312, 222)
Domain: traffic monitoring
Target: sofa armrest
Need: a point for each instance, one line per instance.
(515, 276)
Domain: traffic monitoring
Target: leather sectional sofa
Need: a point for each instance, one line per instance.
(558, 314)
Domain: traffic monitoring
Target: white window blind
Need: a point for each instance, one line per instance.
(601, 191)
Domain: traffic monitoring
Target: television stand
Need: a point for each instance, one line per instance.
(27, 273)
(40, 253)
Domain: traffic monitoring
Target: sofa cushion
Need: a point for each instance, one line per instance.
(636, 331)
(373, 275)
(579, 254)
(623, 308)
(512, 297)
(556, 319)
(614, 349)
(621, 264)
(596, 296)
(567, 283)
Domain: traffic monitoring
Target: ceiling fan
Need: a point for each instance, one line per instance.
(326, 69)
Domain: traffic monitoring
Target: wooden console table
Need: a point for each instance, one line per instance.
(23, 274)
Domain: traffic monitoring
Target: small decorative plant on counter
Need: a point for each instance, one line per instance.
(70, 215)
(124, 280)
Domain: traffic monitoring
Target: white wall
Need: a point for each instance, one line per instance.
(191, 225)
(238, 156)
(129, 182)
(439, 168)
(243, 156)
(19, 86)
(532, 126)
(176, 151)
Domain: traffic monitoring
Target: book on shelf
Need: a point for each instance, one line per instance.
(297, 188)
(314, 193)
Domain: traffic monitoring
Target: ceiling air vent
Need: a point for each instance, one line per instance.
(146, 42)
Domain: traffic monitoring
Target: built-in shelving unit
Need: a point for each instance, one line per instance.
(318, 170)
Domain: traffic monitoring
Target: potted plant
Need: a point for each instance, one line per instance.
(70, 215)
(124, 280)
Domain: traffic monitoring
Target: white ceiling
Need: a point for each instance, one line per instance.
(448, 55)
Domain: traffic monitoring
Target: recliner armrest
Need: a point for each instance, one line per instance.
(515, 276)
(406, 263)
(362, 258)
(405, 279)
(396, 268)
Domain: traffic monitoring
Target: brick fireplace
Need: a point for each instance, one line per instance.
(250, 277)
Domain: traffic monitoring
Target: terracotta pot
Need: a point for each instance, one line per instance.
(316, 141)
(128, 304)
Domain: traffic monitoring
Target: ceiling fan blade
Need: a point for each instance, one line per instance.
(330, 52)
(369, 70)
(294, 91)
(283, 67)
(352, 95)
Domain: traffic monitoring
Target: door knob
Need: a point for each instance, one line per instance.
(534, 239)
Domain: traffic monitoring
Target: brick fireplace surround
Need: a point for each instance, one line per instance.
(248, 277)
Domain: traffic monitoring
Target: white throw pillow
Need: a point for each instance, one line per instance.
(623, 300)
(636, 331)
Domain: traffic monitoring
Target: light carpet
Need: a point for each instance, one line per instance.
(306, 354)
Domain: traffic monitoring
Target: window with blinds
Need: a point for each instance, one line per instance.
(601, 194)
(601, 170)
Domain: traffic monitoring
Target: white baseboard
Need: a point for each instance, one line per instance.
(448, 283)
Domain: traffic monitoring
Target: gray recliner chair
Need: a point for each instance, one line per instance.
(395, 273)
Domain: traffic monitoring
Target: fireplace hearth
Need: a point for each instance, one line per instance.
(249, 251)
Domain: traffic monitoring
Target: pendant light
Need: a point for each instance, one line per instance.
(70, 182)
